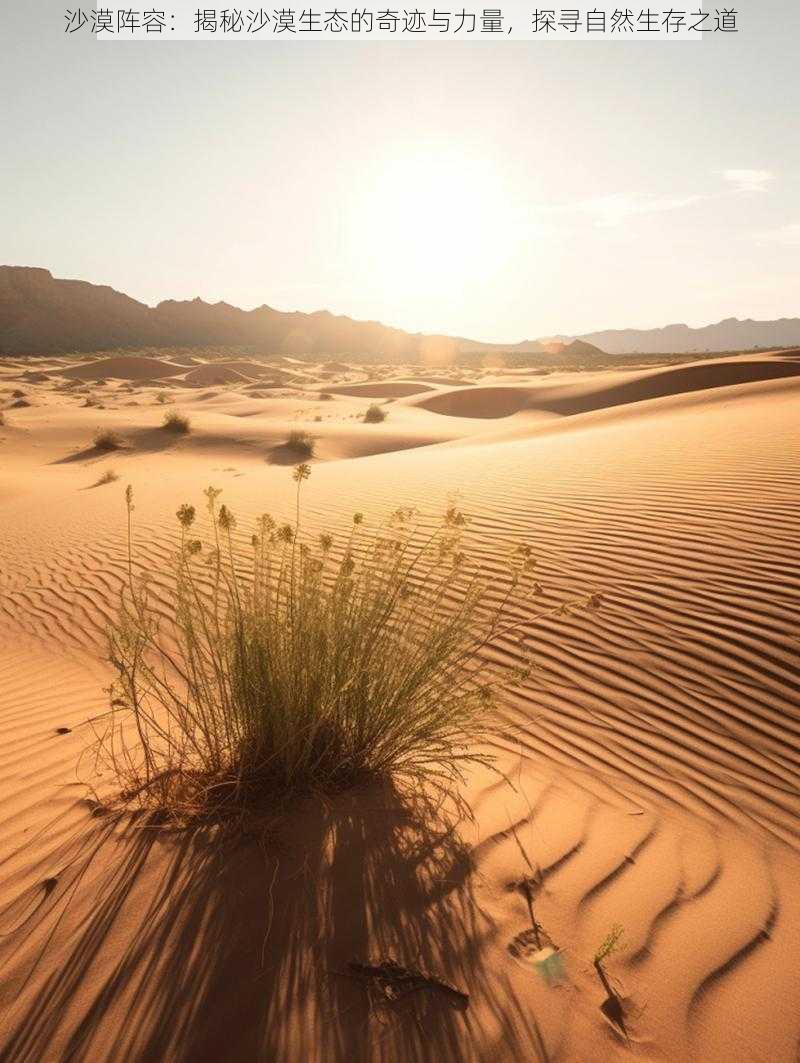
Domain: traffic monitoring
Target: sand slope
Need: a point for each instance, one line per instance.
(124, 367)
(653, 761)
(605, 390)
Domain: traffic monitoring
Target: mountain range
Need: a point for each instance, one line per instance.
(40, 314)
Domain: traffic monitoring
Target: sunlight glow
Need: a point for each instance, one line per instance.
(435, 222)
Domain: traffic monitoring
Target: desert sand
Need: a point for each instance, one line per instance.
(651, 764)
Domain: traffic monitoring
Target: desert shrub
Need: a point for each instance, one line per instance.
(20, 404)
(163, 397)
(108, 477)
(2, 418)
(325, 396)
(176, 422)
(17, 394)
(609, 945)
(301, 664)
(301, 443)
(107, 439)
(375, 414)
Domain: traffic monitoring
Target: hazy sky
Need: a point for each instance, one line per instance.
(498, 191)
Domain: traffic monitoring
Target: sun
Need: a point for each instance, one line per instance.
(434, 221)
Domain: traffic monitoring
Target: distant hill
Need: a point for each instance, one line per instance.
(728, 335)
(42, 315)
(39, 314)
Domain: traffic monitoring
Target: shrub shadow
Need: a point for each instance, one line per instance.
(283, 454)
(178, 946)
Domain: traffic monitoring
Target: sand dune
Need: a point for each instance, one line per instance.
(382, 389)
(206, 375)
(124, 367)
(600, 393)
(653, 762)
(250, 369)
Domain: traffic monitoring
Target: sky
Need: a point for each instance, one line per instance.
(499, 191)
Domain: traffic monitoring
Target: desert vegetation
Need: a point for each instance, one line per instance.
(306, 666)
(178, 423)
(301, 443)
(108, 439)
(375, 414)
(110, 476)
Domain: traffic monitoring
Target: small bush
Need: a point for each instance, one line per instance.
(375, 414)
(176, 422)
(107, 439)
(20, 404)
(163, 397)
(108, 477)
(17, 394)
(308, 666)
(301, 443)
(609, 945)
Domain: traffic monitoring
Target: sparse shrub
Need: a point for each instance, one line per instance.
(375, 414)
(17, 394)
(613, 1006)
(301, 443)
(609, 945)
(308, 666)
(325, 396)
(176, 422)
(107, 439)
(108, 477)
(20, 404)
(163, 397)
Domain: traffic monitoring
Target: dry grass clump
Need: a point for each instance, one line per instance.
(301, 443)
(298, 665)
(108, 477)
(609, 945)
(176, 422)
(375, 414)
(108, 439)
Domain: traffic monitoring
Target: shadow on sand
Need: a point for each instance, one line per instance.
(140, 944)
(284, 454)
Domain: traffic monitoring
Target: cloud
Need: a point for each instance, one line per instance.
(788, 235)
(749, 180)
(615, 209)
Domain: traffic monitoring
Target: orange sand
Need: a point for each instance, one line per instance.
(653, 762)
